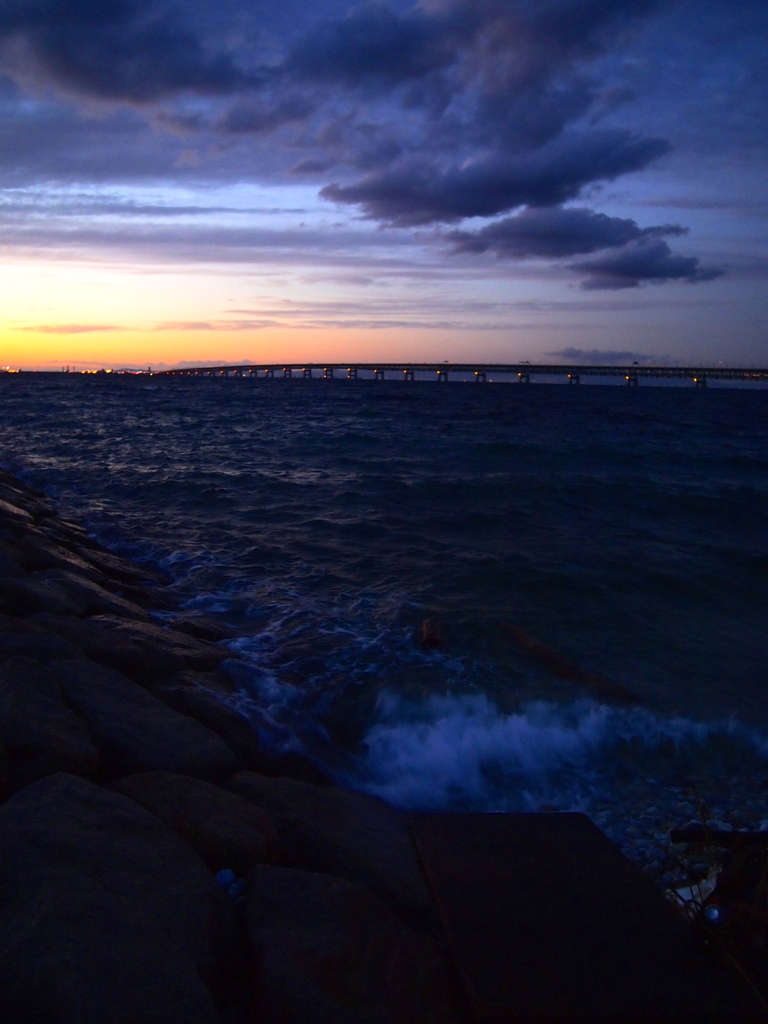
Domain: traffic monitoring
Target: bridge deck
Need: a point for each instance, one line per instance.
(481, 371)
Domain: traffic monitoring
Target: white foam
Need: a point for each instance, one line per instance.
(461, 751)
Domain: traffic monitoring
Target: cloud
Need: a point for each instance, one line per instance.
(134, 50)
(647, 260)
(601, 357)
(215, 325)
(420, 194)
(555, 232)
(71, 328)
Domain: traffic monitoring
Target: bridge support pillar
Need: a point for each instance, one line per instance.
(269, 373)
(407, 374)
(442, 375)
(328, 373)
(524, 378)
(632, 380)
(378, 375)
(480, 376)
(352, 373)
(287, 371)
(306, 372)
(573, 378)
(700, 382)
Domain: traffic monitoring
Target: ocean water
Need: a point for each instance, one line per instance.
(324, 520)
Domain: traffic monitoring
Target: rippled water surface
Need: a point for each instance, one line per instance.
(626, 528)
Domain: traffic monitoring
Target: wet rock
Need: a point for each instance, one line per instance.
(327, 951)
(143, 651)
(5, 769)
(39, 552)
(134, 731)
(27, 639)
(343, 833)
(187, 695)
(203, 627)
(90, 638)
(14, 514)
(223, 829)
(150, 596)
(94, 599)
(117, 568)
(10, 564)
(37, 729)
(70, 535)
(36, 505)
(107, 915)
(184, 651)
(27, 596)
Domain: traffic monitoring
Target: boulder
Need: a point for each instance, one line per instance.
(326, 951)
(343, 833)
(152, 596)
(14, 514)
(189, 694)
(5, 769)
(30, 595)
(223, 829)
(134, 731)
(10, 563)
(203, 627)
(40, 552)
(89, 638)
(28, 639)
(21, 497)
(141, 650)
(94, 599)
(117, 568)
(108, 918)
(39, 732)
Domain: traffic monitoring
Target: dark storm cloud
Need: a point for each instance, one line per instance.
(413, 113)
(136, 50)
(648, 260)
(420, 194)
(555, 232)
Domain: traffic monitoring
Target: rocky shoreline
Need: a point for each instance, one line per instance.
(157, 865)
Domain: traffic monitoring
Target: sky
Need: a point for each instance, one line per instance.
(203, 182)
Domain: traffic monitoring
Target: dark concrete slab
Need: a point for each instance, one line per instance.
(547, 920)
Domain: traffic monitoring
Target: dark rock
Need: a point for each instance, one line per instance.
(108, 918)
(328, 952)
(94, 599)
(431, 634)
(67, 534)
(204, 627)
(39, 552)
(225, 830)
(10, 563)
(5, 769)
(118, 568)
(91, 638)
(338, 831)
(28, 639)
(34, 504)
(30, 595)
(189, 697)
(149, 596)
(143, 651)
(136, 732)
(14, 514)
(39, 732)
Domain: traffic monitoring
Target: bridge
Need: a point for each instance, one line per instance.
(481, 372)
